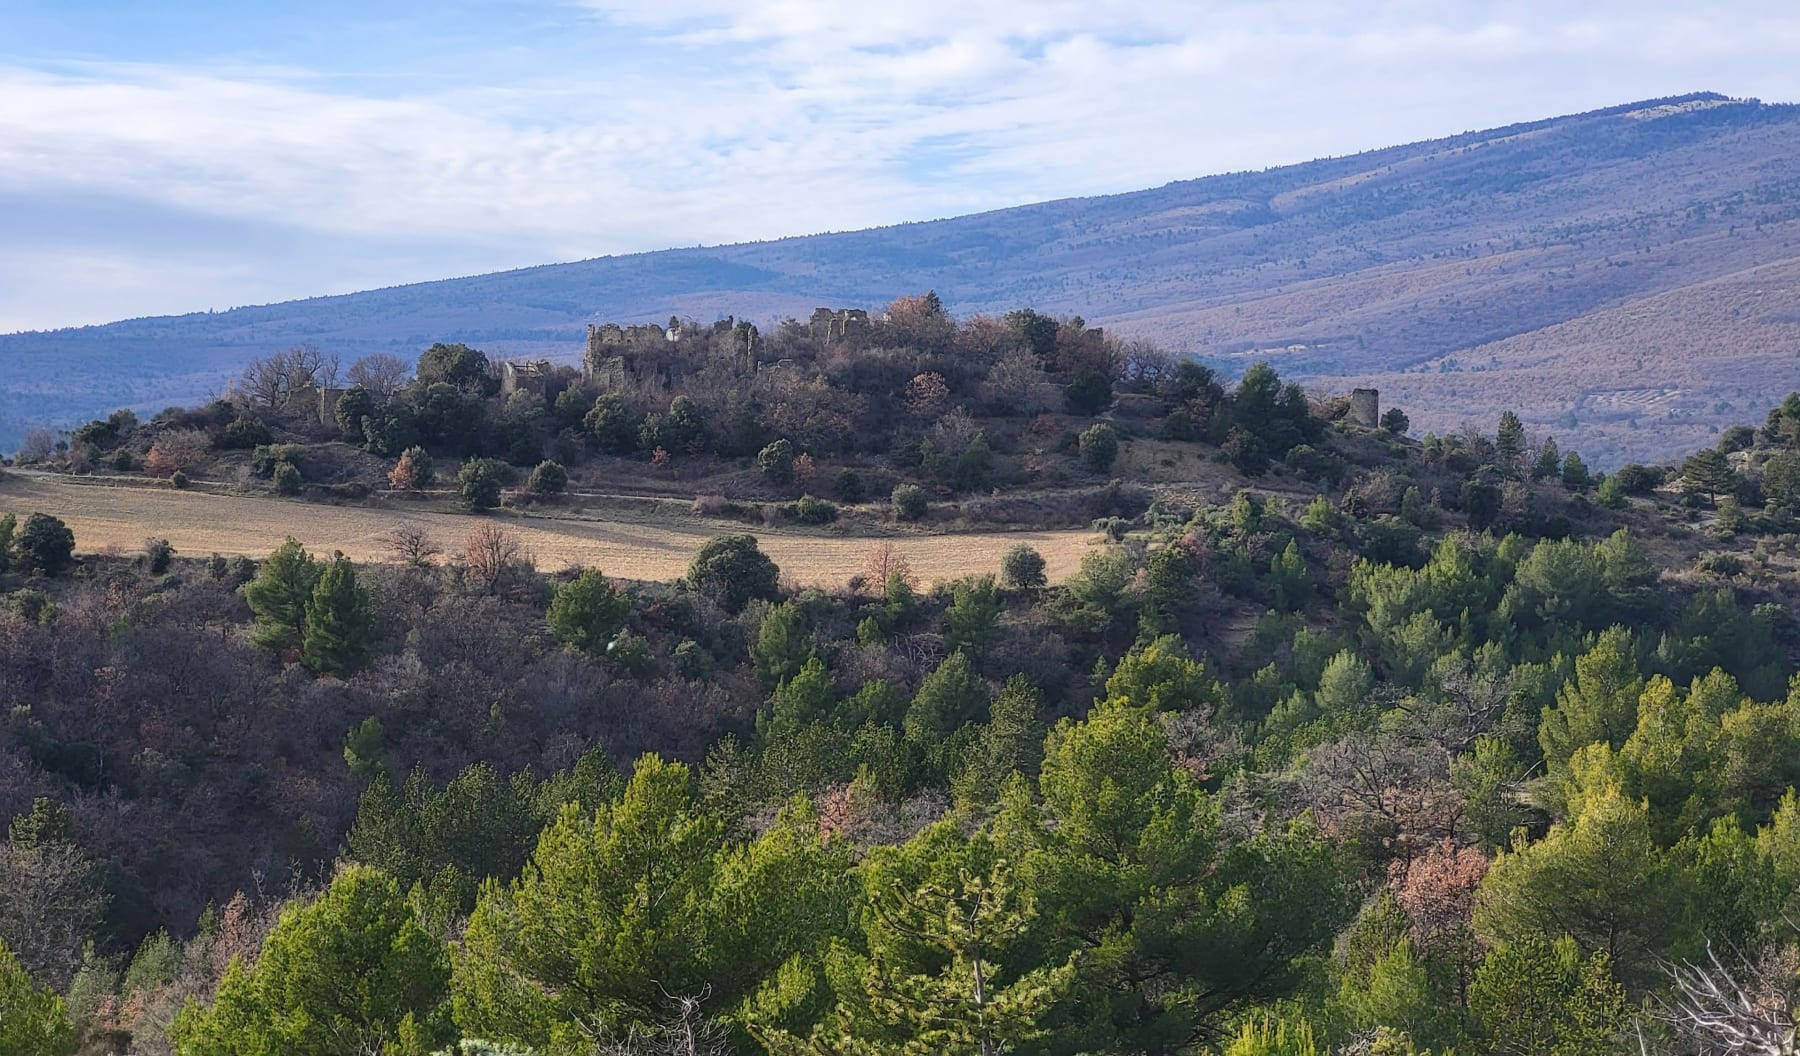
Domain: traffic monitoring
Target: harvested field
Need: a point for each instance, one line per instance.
(109, 518)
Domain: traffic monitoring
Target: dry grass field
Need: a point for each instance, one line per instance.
(118, 519)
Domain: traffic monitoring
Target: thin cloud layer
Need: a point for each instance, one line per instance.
(630, 124)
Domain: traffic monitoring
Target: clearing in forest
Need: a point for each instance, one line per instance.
(119, 519)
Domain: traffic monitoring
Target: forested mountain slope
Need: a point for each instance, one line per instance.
(1443, 746)
(1626, 277)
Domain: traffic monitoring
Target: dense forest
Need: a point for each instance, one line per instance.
(1407, 747)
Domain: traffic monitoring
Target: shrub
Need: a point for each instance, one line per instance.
(478, 483)
(850, 486)
(732, 569)
(413, 470)
(1637, 479)
(1314, 464)
(157, 555)
(123, 460)
(549, 478)
(1395, 421)
(1720, 563)
(1321, 516)
(1022, 567)
(287, 479)
(814, 511)
(777, 462)
(244, 434)
(909, 502)
(1089, 393)
(712, 504)
(1099, 446)
(43, 544)
(178, 449)
(178, 480)
(266, 457)
(588, 613)
(1245, 452)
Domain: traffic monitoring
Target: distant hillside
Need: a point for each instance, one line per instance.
(1628, 279)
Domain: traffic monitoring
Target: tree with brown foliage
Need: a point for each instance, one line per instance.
(178, 450)
(926, 395)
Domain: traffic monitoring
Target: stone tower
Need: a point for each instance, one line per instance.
(1365, 408)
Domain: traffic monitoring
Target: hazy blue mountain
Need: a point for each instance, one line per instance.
(1625, 278)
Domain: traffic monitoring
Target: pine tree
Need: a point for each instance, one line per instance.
(1509, 442)
(587, 612)
(1549, 461)
(942, 914)
(1574, 473)
(33, 1021)
(1708, 472)
(353, 971)
(340, 625)
(279, 594)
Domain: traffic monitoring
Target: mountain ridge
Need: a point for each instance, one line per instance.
(1410, 267)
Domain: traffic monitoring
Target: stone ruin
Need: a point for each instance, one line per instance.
(1365, 408)
(828, 324)
(524, 376)
(328, 397)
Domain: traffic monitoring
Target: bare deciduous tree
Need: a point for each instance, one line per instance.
(1742, 1010)
(1017, 384)
(410, 544)
(685, 1030)
(278, 380)
(1147, 364)
(51, 904)
(37, 446)
(883, 563)
(491, 556)
(383, 375)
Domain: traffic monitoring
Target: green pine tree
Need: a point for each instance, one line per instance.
(352, 972)
(33, 1021)
(340, 625)
(279, 595)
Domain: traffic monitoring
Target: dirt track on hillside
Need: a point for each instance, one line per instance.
(119, 519)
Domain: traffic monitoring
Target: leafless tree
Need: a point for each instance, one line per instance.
(37, 446)
(492, 557)
(1147, 364)
(411, 544)
(685, 1030)
(383, 375)
(1017, 384)
(884, 561)
(51, 904)
(1735, 1010)
(277, 381)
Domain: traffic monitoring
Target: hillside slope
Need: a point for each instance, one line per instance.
(1624, 278)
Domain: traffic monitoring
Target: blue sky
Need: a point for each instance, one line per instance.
(166, 157)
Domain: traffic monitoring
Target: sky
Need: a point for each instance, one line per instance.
(159, 158)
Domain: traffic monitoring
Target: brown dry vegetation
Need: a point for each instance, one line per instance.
(107, 518)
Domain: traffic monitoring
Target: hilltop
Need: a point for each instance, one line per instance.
(1623, 278)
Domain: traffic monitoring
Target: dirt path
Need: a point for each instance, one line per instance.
(120, 518)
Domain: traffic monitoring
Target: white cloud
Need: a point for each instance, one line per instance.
(716, 120)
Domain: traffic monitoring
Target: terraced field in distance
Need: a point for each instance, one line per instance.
(117, 519)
